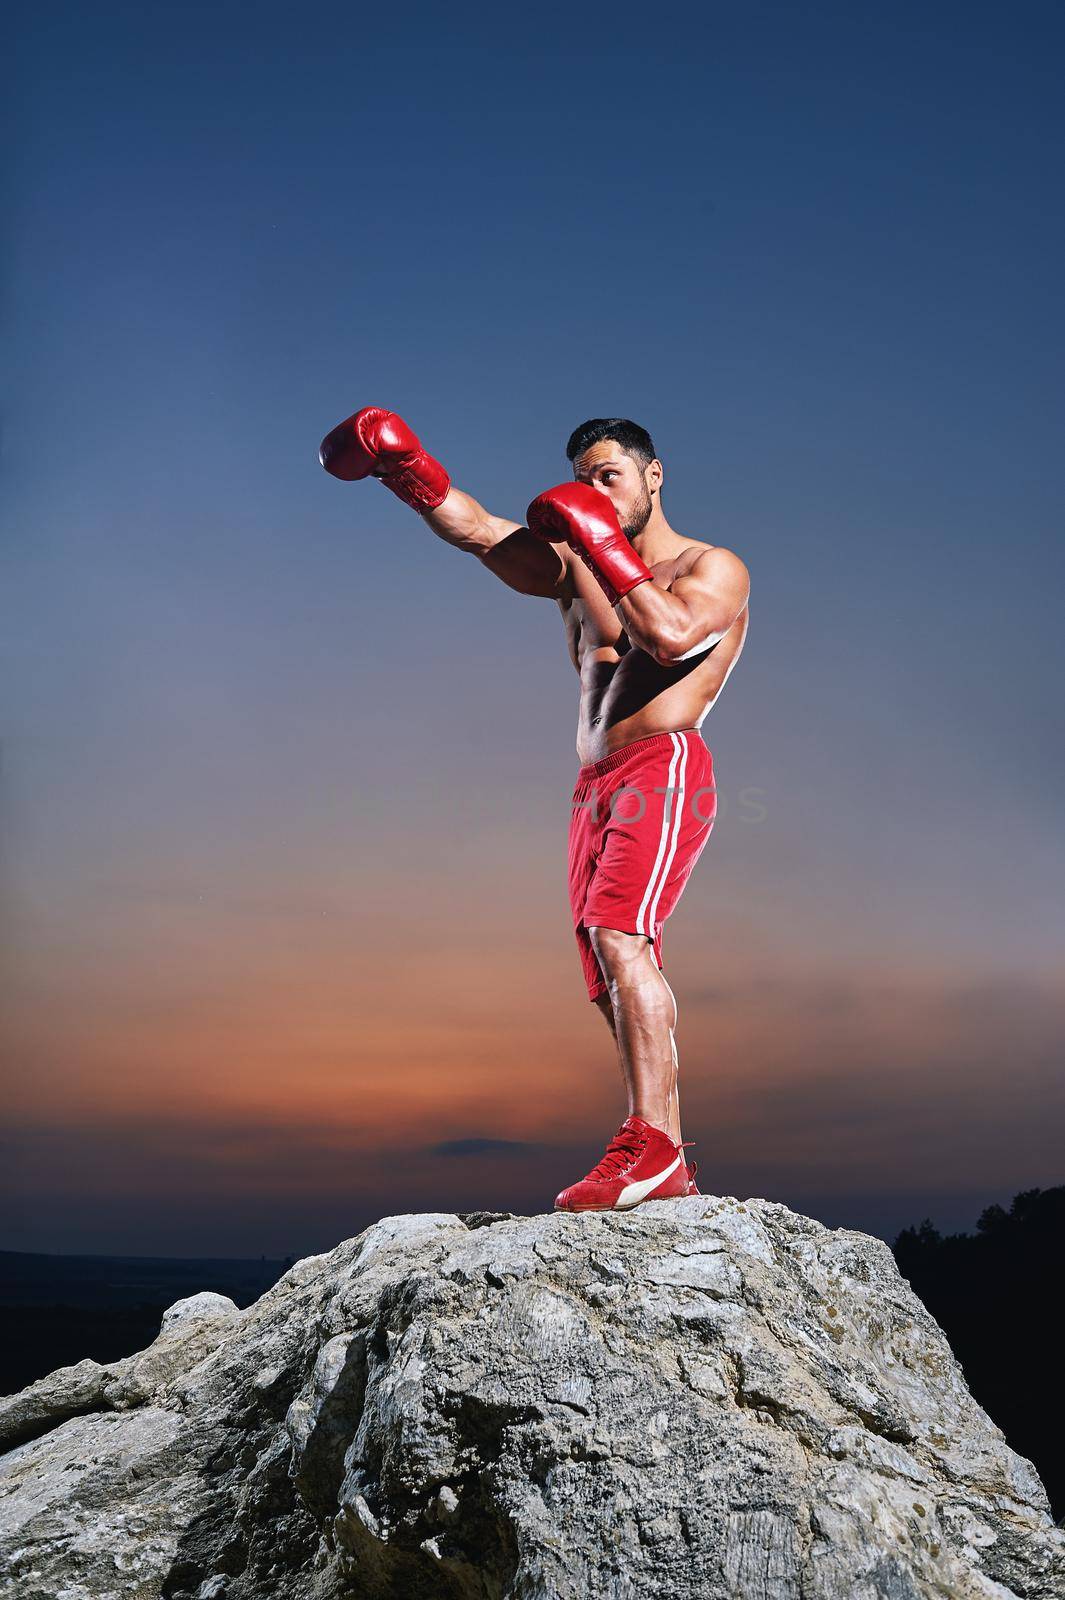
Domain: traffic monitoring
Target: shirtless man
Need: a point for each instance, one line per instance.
(655, 623)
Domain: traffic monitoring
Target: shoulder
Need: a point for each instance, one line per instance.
(714, 564)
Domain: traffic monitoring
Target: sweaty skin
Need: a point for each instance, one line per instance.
(632, 684)
(625, 693)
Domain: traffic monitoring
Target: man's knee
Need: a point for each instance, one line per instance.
(619, 954)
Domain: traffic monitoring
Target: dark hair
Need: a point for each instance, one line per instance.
(634, 440)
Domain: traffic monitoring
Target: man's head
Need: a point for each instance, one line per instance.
(618, 458)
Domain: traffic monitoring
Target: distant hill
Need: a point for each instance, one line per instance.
(54, 1310)
(994, 1294)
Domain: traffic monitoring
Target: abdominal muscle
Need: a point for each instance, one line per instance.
(626, 695)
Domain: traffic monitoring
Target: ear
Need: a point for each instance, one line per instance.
(653, 475)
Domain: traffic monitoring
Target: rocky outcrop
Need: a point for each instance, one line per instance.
(699, 1399)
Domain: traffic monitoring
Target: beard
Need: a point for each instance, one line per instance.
(638, 517)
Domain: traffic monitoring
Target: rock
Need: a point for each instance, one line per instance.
(696, 1400)
(205, 1305)
(67, 1392)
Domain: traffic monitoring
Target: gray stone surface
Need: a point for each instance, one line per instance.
(204, 1305)
(697, 1400)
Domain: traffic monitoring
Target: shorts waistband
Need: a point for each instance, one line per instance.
(598, 769)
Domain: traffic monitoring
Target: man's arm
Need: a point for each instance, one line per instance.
(695, 613)
(375, 443)
(668, 624)
(522, 561)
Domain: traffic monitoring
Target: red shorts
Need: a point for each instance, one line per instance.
(632, 846)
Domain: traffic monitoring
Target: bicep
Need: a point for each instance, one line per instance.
(526, 563)
(715, 591)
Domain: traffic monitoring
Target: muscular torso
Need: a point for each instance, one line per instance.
(625, 694)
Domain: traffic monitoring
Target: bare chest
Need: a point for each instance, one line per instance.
(593, 631)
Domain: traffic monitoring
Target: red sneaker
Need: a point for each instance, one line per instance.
(641, 1163)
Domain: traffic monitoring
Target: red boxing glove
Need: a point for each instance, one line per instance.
(376, 443)
(588, 522)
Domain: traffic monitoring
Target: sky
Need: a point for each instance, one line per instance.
(285, 781)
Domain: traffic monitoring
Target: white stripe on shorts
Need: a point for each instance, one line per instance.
(677, 815)
(667, 804)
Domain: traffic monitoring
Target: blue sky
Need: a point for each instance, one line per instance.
(257, 723)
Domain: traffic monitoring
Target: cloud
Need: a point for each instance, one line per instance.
(476, 1146)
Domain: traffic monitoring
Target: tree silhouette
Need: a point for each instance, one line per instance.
(994, 1294)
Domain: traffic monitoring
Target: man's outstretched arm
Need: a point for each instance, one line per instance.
(378, 443)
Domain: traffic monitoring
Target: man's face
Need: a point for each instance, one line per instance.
(607, 468)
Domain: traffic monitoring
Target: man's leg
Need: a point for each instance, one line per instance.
(606, 1007)
(628, 886)
(643, 1014)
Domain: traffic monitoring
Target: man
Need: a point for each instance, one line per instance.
(655, 623)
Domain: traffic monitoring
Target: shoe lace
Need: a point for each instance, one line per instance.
(621, 1152)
